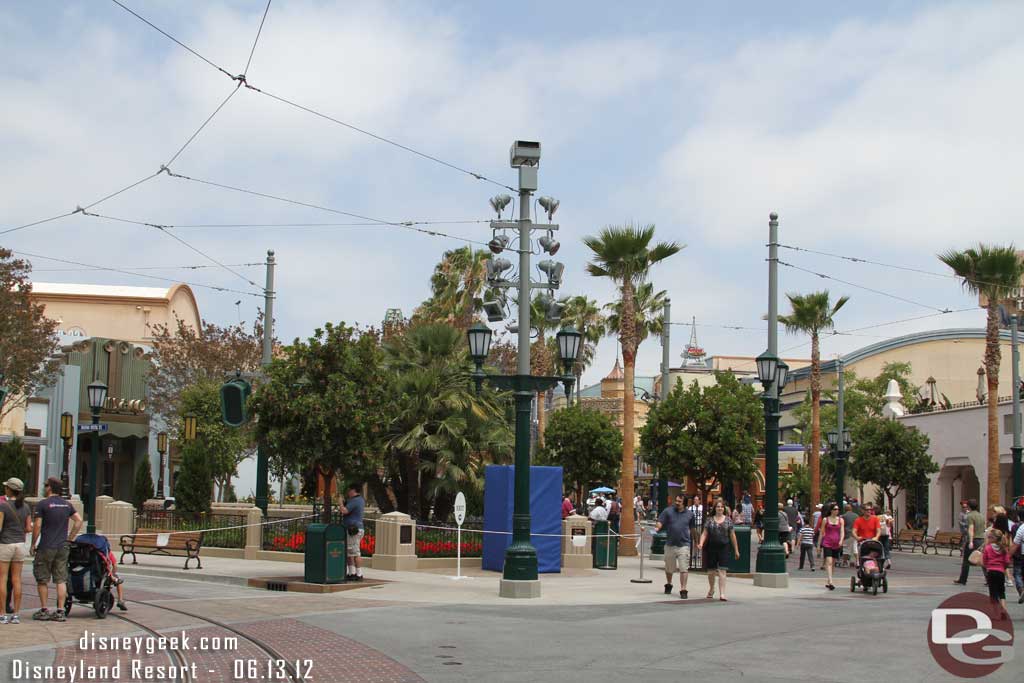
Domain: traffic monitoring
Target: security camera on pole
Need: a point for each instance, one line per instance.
(519, 577)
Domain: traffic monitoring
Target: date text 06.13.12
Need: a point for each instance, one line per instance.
(251, 670)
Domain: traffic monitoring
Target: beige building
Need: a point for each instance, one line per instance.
(116, 312)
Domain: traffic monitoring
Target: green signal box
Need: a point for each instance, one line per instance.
(233, 396)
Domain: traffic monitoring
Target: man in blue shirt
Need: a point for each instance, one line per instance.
(677, 522)
(352, 510)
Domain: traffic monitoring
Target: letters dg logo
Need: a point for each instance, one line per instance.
(969, 636)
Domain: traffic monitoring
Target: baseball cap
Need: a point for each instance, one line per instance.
(15, 484)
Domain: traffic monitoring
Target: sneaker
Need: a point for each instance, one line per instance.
(668, 589)
(57, 615)
(121, 606)
(1020, 599)
(684, 594)
(15, 619)
(4, 619)
(42, 614)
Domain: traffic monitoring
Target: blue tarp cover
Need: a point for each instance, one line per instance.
(545, 515)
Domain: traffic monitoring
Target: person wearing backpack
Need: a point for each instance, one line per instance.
(614, 514)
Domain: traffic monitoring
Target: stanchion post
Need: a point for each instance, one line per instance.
(641, 579)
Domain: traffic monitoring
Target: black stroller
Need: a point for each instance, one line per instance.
(90, 580)
(870, 569)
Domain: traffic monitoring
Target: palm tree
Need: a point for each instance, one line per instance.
(812, 314)
(457, 286)
(585, 315)
(649, 307)
(624, 255)
(991, 272)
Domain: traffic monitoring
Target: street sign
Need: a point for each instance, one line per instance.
(460, 517)
(93, 428)
(460, 508)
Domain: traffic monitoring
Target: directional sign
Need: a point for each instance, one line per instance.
(460, 508)
(93, 428)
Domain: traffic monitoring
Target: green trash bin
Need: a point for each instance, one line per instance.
(325, 553)
(742, 565)
(603, 547)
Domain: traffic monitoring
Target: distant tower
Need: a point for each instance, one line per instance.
(394, 321)
(693, 354)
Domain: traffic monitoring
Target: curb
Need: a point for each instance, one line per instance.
(192, 575)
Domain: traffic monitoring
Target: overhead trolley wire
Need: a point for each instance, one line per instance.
(143, 275)
(867, 289)
(245, 71)
(177, 226)
(205, 123)
(192, 267)
(408, 225)
(241, 79)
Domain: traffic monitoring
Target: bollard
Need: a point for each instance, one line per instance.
(641, 526)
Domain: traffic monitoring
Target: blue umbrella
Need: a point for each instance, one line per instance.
(602, 489)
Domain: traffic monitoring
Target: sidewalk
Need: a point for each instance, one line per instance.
(571, 587)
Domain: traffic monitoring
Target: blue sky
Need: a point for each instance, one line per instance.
(886, 131)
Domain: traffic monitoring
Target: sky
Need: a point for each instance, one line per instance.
(879, 131)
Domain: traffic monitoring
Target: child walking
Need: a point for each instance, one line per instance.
(807, 546)
(995, 558)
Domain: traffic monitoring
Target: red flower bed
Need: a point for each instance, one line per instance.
(447, 548)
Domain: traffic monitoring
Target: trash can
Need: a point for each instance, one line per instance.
(604, 548)
(325, 553)
(742, 565)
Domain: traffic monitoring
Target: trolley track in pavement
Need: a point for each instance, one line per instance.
(179, 660)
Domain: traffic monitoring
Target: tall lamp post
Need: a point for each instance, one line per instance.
(161, 448)
(839, 443)
(1016, 449)
(771, 558)
(97, 394)
(659, 538)
(521, 556)
(67, 435)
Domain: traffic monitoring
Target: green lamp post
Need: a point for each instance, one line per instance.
(840, 447)
(772, 373)
(521, 556)
(97, 395)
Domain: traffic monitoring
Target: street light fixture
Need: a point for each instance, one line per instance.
(108, 472)
(190, 427)
(161, 448)
(67, 434)
(568, 339)
(479, 338)
(97, 395)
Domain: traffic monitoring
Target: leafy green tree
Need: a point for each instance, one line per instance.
(585, 315)
(226, 447)
(990, 272)
(27, 336)
(193, 487)
(325, 404)
(625, 255)
(457, 288)
(796, 483)
(143, 489)
(586, 444)
(813, 314)
(440, 433)
(14, 463)
(709, 434)
(892, 456)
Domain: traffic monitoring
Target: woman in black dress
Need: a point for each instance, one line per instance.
(717, 540)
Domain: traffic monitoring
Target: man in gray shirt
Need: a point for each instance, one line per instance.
(677, 522)
(352, 510)
(50, 530)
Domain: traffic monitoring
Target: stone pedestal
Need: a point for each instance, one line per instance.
(101, 506)
(576, 556)
(395, 548)
(76, 502)
(766, 580)
(519, 589)
(253, 532)
(118, 519)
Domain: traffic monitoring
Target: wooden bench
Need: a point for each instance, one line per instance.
(912, 537)
(945, 539)
(151, 542)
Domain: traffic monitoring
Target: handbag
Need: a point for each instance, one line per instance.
(975, 558)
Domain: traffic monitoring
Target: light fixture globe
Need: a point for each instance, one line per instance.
(833, 439)
(568, 346)
(161, 442)
(781, 374)
(766, 363)
(479, 338)
(67, 426)
(847, 441)
(97, 394)
(191, 426)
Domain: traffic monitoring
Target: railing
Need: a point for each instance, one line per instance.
(166, 520)
(289, 535)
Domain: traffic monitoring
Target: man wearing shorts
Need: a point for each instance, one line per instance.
(677, 521)
(353, 521)
(51, 554)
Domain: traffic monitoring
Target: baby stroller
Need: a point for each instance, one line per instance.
(870, 569)
(90, 580)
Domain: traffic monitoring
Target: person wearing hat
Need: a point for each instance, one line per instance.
(14, 524)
